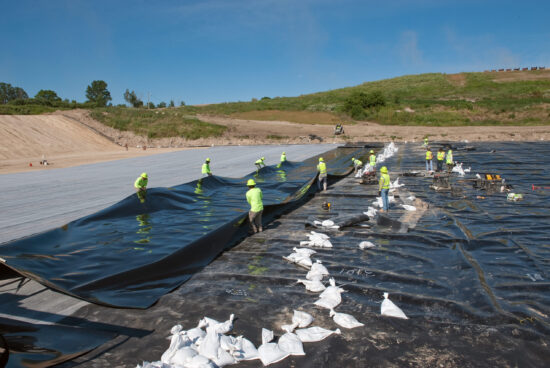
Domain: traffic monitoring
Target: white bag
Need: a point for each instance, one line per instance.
(314, 334)
(366, 244)
(315, 286)
(302, 319)
(305, 251)
(391, 310)
(183, 355)
(291, 344)
(345, 320)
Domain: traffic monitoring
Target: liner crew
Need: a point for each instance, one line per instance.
(322, 168)
(372, 158)
(384, 188)
(429, 158)
(254, 197)
(440, 159)
(450, 162)
(206, 168)
(259, 162)
(357, 164)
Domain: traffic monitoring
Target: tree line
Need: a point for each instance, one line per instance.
(97, 94)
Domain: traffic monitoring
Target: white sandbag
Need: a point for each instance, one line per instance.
(271, 353)
(247, 349)
(366, 244)
(291, 344)
(305, 251)
(313, 334)
(224, 358)
(327, 223)
(219, 327)
(345, 320)
(302, 319)
(267, 336)
(371, 212)
(321, 235)
(229, 343)
(196, 335)
(306, 243)
(199, 361)
(411, 198)
(331, 297)
(408, 207)
(299, 259)
(183, 355)
(378, 202)
(315, 286)
(396, 184)
(317, 269)
(177, 341)
(211, 343)
(391, 310)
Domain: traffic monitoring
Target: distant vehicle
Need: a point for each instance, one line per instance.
(338, 129)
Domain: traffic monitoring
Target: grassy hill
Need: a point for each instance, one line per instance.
(494, 98)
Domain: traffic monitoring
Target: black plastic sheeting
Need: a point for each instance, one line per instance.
(133, 252)
(471, 274)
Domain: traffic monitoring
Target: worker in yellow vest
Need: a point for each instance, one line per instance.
(254, 198)
(283, 157)
(426, 141)
(357, 164)
(322, 168)
(141, 183)
(449, 157)
(440, 159)
(384, 188)
(206, 168)
(429, 157)
(372, 158)
(260, 162)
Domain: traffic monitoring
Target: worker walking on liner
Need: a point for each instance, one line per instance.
(440, 159)
(372, 158)
(254, 198)
(384, 188)
(322, 168)
(283, 157)
(206, 168)
(426, 141)
(449, 158)
(357, 164)
(429, 158)
(260, 162)
(141, 182)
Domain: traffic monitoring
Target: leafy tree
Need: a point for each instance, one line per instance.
(182, 103)
(9, 93)
(151, 105)
(47, 95)
(98, 93)
(161, 104)
(171, 103)
(132, 99)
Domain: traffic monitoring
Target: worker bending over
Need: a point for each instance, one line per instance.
(429, 158)
(450, 162)
(322, 168)
(372, 158)
(206, 168)
(254, 198)
(440, 159)
(384, 188)
(357, 164)
(260, 162)
(141, 183)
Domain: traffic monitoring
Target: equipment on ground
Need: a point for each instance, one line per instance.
(441, 183)
(338, 129)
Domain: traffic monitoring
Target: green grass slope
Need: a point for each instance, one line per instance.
(496, 98)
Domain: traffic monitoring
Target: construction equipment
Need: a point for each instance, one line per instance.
(491, 183)
(441, 183)
(338, 129)
(368, 177)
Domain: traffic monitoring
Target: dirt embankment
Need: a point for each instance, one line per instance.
(70, 138)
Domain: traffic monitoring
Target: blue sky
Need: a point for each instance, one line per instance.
(221, 50)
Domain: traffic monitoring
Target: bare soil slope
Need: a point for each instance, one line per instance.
(62, 140)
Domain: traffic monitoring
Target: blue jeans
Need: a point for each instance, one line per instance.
(430, 165)
(439, 165)
(385, 202)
